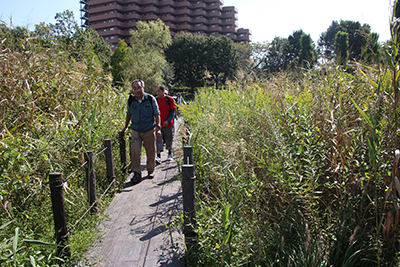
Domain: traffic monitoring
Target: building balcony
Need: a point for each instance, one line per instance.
(199, 20)
(184, 27)
(101, 9)
(167, 17)
(229, 23)
(149, 17)
(230, 15)
(102, 17)
(215, 34)
(128, 24)
(183, 3)
(199, 4)
(132, 7)
(228, 30)
(230, 9)
(213, 13)
(199, 12)
(149, 9)
(165, 3)
(201, 27)
(166, 10)
(184, 18)
(214, 28)
(213, 6)
(182, 11)
(215, 20)
(96, 2)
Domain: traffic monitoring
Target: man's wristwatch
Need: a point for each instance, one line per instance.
(158, 126)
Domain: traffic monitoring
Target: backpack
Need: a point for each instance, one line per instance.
(168, 99)
(130, 100)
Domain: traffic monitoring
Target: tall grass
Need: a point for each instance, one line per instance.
(52, 110)
(294, 171)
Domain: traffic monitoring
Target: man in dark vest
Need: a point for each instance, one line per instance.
(144, 116)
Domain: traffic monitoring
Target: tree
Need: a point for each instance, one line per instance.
(146, 58)
(276, 56)
(221, 59)
(65, 27)
(292, 50)
(186, 54)
(153, 35)
(341, 47)
(307, 51)
(119, 61)
(358, 37)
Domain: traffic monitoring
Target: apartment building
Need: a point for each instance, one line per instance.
(113, 20)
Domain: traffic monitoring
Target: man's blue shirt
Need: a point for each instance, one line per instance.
(143, 113)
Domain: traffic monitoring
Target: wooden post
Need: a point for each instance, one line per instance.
(187, 155)
(122, 151)
(109, 160)
(91, 181)
(60, 221)
(189, 205)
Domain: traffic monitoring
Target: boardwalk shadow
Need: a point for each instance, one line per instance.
(154, 232)
(166, 199)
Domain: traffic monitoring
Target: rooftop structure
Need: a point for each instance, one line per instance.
(114, 20)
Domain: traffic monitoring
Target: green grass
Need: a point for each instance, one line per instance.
(52, 110)
(293, 171)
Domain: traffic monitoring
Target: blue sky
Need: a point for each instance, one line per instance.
(265, 18)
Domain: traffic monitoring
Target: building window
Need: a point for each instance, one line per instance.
(112, 37)
(111, 29)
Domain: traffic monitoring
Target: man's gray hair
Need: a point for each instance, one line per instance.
(141, 83)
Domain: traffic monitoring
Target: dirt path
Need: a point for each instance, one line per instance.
(140, 229)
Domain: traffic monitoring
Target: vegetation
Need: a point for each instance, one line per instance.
(54, 107)
(303, 171)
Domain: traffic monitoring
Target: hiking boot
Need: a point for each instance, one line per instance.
(158, 160)
(136, 178)
(150, 174)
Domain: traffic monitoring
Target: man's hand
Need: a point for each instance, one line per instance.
(158, 133)
(122, 131)
(165, 124)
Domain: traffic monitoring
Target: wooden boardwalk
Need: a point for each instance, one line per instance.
(140, 230)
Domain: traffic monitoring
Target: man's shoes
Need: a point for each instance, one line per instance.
(158, 161)
(170, 157)
(137, 177)
(150, 174)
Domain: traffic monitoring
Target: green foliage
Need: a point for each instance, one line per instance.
(153, 35)
(275, 59)
(307, 56)
(358, 39)
(186, 54)
(145, 58)
(221, 59)
(119, 61)
(195, 56)
(341, 48)
(53, 109)
(297, 174)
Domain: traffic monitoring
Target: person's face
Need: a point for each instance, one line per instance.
(160, 93)
(137, 90)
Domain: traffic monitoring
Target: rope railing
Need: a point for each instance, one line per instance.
(57, 196)
(90, 208)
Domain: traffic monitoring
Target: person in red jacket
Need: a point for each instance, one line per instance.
(167, 107)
